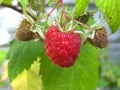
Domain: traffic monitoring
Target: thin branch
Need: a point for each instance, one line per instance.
(82, 24)
(48, 14)
(17, 8)
(63, 9)
(12, 7)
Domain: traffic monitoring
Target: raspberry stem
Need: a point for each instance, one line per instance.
(98, 24)
(82, 24)
(48, 14)
(41, 34)
(85, 36)
(64, 13)
(61, 17)
(36, 28)
(66, 17)
(63, 9)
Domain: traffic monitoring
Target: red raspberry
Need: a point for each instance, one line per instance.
(62, 47)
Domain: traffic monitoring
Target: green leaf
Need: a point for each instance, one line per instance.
(82, 76)
(31, 79)
(1, 1)
(24, 4)
(81, 5)
(8, 2)
(111, 10)
(22, 55)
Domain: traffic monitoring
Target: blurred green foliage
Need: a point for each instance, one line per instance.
(2, 56)
(109, 72)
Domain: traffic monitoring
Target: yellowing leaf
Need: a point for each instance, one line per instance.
(35, 67)
(30, 51)
(4, 72)
(29, 80)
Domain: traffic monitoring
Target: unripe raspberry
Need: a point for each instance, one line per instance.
(23, 33)
(100, 39)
